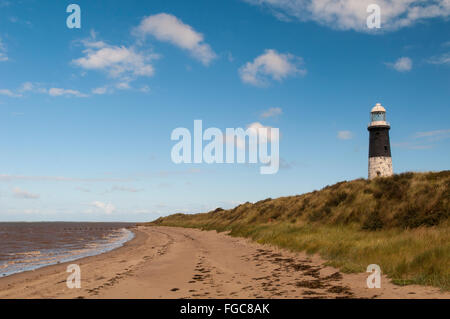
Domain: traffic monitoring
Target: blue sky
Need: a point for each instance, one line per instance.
(86, 114)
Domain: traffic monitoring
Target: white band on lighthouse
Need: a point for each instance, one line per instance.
(380, 166)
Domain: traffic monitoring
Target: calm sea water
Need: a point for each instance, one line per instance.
(28, 246)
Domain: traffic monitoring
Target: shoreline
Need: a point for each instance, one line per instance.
(21, 277)
(169, 262)
(105, 248)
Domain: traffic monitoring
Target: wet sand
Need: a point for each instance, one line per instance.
(166, 262)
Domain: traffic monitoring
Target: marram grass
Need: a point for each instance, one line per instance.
(400, 223)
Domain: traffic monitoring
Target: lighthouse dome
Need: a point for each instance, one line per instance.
(378, 108)
(378, 116)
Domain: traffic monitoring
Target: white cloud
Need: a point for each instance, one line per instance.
(65, 92)
(116, 61)
(37, 88)
(273, 111)
(100, 90)
(19, 193)
(9, 93)
(107, 208)
(403, 64)
(441, 59)
(345, 135)
(352, 14)
(168, 28)
(125, 85)
(271, 65)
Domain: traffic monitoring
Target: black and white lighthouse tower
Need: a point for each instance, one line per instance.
(380, 160)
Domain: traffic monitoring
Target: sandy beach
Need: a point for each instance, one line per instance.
(166, 262)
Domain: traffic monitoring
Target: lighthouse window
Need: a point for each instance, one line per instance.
(385, 148)
(378, 116)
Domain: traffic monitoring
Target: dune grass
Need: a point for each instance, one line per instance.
(400, 223)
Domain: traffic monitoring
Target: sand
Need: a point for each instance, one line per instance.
(166, 262)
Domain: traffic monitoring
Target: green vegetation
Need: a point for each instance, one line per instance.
(400, 223)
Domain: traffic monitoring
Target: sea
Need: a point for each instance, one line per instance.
(29, 246)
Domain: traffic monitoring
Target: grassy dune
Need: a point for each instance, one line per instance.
(400, 223)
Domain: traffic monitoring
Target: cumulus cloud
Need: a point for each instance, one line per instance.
(352, 14)
(116, 61)
(271, 65)
(344, 135)
(403, 64)
(168, 28)
(272, 112)
(19, 193)
(65, 92)
(107, 208)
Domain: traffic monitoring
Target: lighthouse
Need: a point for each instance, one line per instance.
(380, 160)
